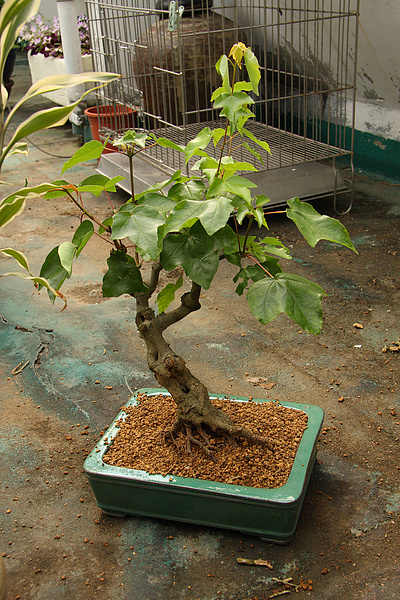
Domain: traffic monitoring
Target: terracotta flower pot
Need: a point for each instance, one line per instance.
(110, 119)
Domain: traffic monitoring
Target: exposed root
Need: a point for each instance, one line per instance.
(232, 433)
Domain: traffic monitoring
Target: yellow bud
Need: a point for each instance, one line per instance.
(237, 52)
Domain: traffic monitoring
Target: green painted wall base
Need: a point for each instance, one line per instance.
(271, 514)
(377, 155)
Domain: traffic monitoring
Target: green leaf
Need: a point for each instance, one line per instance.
(240, 186)
(226, 239)
(253, 138)
(208, 165)
(122, 277)
(294, 295)
(159, 186)
(315, 227)
(233, 105)
(50, 117)
(274, 246)
(195, 251)
(82, 235)
(132, 138)
(167, 294)
(253, 69)
(242, 86)
(106, 223)
(97, 184)
(90, 151)
(19, 257)
(253, 152)
(218, 134)
(222, 68)
(197, 144)
(190, 190)
(256, 273)
(19, 148)
(165, 143)
(140, 225)
(213, 214)
(59, 82)
(231, 167)
(161, 203)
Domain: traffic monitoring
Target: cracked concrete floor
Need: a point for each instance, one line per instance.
(54, 539)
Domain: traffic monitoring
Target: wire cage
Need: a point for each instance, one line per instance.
(307, 51)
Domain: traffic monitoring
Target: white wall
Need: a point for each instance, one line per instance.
(378, 81)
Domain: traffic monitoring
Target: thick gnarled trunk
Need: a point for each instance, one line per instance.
(195, 409)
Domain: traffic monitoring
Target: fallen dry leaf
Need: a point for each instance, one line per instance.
(262, 382)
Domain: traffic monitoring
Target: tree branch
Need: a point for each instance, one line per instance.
(189, 303)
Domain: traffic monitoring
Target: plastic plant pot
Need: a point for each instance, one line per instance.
(271, 514)
(111, 118)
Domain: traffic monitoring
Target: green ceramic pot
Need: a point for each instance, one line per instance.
(271, 514)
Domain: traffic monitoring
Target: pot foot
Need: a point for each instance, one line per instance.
(109, 513)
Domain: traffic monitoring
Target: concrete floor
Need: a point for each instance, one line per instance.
(54, 539)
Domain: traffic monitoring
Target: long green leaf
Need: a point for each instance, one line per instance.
(58, 82)
(41, 282)
(19, 257)
(13, 16)
(315, 227)
(11, 207)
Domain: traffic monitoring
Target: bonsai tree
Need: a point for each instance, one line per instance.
(192, 224)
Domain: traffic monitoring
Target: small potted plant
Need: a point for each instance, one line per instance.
(42, 41)
(188, 226)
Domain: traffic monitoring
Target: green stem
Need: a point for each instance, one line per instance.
(226, 130)
(86, 212)
(251, 219)
(130, 158)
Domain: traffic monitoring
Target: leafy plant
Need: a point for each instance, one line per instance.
(191, 224)
(13, 15)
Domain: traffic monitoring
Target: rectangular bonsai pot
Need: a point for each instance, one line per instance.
(271, 514)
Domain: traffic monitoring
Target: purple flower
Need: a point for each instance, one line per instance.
(40, 37)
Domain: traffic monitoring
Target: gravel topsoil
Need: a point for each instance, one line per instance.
(139, 443)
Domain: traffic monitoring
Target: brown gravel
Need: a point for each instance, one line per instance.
(140, 443)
